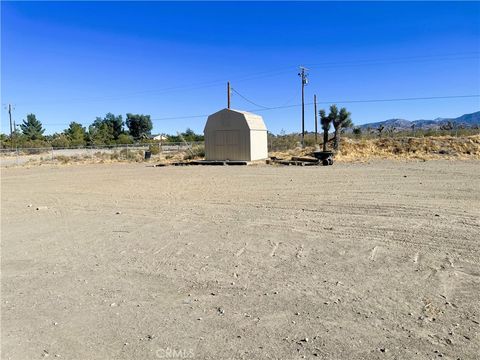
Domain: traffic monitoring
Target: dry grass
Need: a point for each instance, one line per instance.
(407, 148)
(197, 152)
(427, 148)
(352, 150)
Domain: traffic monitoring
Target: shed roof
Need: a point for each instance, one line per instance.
(253, 121)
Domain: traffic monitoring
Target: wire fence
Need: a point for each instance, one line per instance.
(141, 151)
(19, 155)
(23, 155)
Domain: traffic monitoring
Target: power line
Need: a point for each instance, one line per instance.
(278, 71)
(263, 106)
(185, 117)
(332, 102)
(246, 99)
(181, 117)
(292, 98)
(421, 58)
(373, 101)
(168, 90)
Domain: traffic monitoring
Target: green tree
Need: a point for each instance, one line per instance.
(60, 141)
(100, 133)
(139, 126)
(124, 139)
(32, 128)
(106, 130)
(5, 141)
(190, 135)
(76, 133)
(115, 123)
(325, 121)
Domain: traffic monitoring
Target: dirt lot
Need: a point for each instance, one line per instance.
(352, 261)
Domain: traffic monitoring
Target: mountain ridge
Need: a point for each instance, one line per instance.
(465, 120)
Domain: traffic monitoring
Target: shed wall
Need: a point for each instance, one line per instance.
(258, 145)
(227, 145)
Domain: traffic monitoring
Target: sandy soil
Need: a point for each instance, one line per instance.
(352, 261)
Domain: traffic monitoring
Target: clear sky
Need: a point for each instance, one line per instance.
(74, 61)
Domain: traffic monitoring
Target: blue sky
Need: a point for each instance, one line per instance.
(74, 61)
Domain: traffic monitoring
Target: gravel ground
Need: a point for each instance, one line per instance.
(352, 261)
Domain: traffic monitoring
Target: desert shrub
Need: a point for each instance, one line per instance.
(60, 141)
(102, 155)
(357, 132)
(197, 151)
(35, 151)
(283, 141)
(154, 149)
(135, 155)
(309, 141)
(115, 155)
(62, 159)
(34, 144)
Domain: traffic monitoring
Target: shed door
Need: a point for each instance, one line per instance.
(227, 144)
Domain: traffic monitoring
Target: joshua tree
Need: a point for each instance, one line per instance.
(380, 129)
(447, 126)
(391, 130)
(325, 121)
(340, 120)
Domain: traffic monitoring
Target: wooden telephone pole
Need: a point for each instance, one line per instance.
(303, 76)
(316, 119)
(228, 95)
(10, 116)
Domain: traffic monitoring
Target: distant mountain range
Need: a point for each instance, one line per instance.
(467, 120)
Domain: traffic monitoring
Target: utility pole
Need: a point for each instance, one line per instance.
(10, 116)
(228, 94)
(303, 76)
(316, 119)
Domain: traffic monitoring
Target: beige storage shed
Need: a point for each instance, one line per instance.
(235, 135)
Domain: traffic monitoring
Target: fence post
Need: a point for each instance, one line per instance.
(52, 153)
(17, 153)
(126, 145)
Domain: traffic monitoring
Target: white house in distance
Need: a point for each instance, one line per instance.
(235, 135)
(160, 137)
